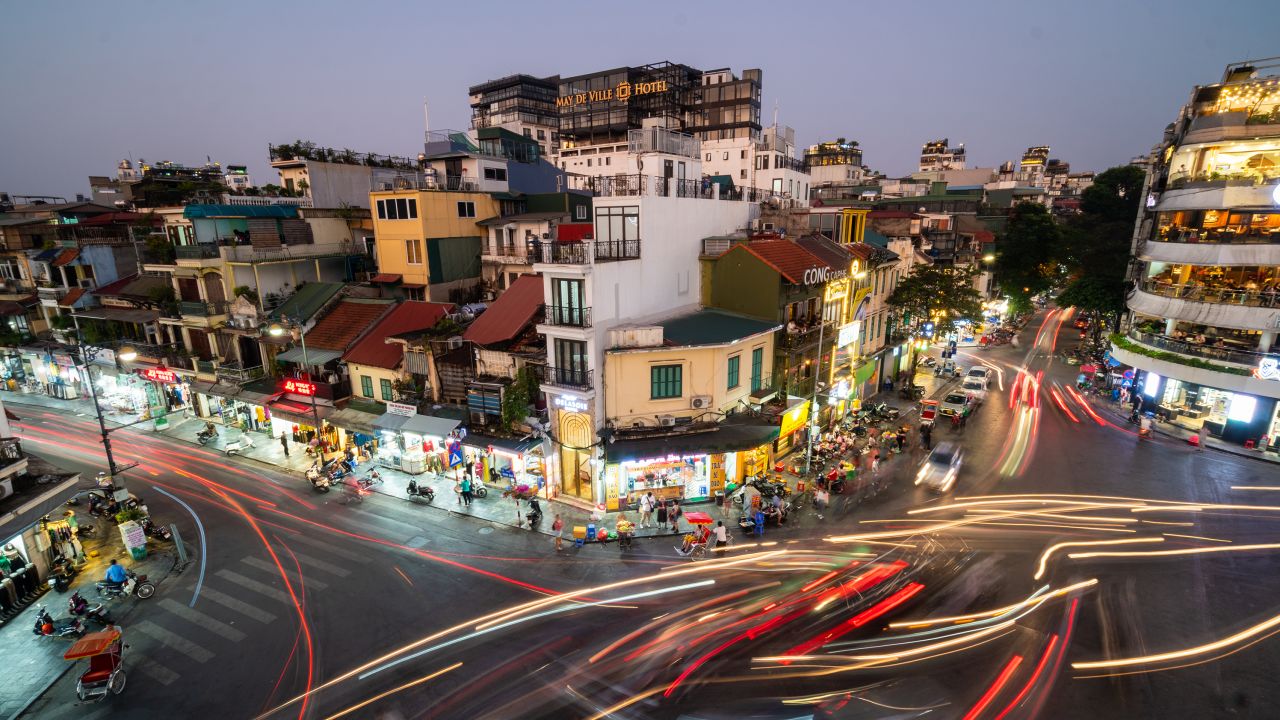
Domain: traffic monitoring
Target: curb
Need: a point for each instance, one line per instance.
(1225, 450)
(67, 668)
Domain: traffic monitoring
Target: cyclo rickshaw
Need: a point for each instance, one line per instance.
(105, 674)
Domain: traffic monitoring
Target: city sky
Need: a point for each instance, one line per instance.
(88, 84)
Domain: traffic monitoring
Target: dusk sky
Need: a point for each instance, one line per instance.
(89, 84)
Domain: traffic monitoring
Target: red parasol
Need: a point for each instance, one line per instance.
(92, 644)
(1089, 369)
(698, 518)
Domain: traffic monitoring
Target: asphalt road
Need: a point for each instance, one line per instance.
(296, 590)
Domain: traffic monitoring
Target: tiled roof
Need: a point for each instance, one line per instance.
(344, 324)
(133, 286)
(386, 278)
(832, 253)
(788, 258)
(70, 298)
(66, 256)
(514, 309)
(373, 349)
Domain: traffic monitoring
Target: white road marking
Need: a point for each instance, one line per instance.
(173, 641)
(196, 617)
(239, 606)
(293, 574)
(254, 585)
(154, 670)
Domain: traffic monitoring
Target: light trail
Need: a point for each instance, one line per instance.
(995, 688)
(1034, 600)
(1226, 642)
(1182, 551)
(1035, 675)
(395, 690)
(1062, 405)
(1042, 566)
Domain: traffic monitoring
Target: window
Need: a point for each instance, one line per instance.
(608, 161)
(665, 382)
(708, 157)
(366, 386)
(733, 372)
(744, 154)
(528, 133)
(777, 185)
(413, 251)
(466, 209)
(385, 386)
(398, 209)
(580, 212)
(495, 174)
(542, 134)
(742, 173)
(588, 162)
(757, 367)
(615, 224)
(726, 155)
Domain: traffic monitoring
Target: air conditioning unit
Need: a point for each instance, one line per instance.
(6, 488)
(479, 418)
(667, 420)
(768, 227)
(700, 402)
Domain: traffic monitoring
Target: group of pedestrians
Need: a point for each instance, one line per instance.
(668, 512)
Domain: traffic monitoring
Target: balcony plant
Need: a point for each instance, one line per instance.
(1125, 343)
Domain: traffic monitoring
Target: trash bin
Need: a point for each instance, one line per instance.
(138, 553)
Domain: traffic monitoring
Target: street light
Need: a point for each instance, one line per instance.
(988, 258)
(277, 329)
(127, 353)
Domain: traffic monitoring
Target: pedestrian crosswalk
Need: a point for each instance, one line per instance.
(171, 637)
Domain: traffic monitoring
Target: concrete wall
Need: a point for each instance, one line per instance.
(333, 184)
(741, 283)
(357, 371)
(705, 373)
(437, 218)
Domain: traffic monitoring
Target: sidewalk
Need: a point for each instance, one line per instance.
(34, 663)
(1179, 433)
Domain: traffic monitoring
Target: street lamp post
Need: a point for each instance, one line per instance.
(87, 354)
(280, 328)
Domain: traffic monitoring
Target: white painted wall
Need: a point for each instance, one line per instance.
(1203, 313)
(1211, 253)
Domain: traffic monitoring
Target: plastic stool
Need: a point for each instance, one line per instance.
(1248, 444)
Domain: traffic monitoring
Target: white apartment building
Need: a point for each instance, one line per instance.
(641, 265)
(769, 164)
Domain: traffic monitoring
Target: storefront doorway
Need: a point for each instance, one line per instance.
(575, 455)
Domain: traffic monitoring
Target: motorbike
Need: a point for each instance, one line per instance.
(46, 627)
(885, 411)
(205, 436)
(320, 483)
(930, 361)
(244, 442)
(370, 480)
(478, 489)
(159, 532)
(80, 607)
(133, 584)
(61, 575)
(534, 516)
(422, 491)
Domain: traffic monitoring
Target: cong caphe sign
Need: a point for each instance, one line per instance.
(624, 91)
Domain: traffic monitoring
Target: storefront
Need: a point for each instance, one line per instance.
(1233, 417)
(413, 443)
(233, 406)
(690, 468)
(13, 371)
(792, 428)
(57, 375)
(508, 461)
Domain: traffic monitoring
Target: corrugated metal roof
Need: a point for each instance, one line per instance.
(514, 309)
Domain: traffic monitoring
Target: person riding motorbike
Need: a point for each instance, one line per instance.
(116, 574)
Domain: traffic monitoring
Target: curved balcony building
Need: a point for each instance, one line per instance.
(1205, 308)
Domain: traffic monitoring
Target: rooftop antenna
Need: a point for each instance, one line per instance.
(426, 122)
(775, 115)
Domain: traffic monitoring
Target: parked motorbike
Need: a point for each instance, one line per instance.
(423, 491)
(930, 361)
(159, 532)
(47, 627)
(885, 411)
(244, 442)
(81, 608)
(370, 480)
(133, 584)
(320, 483)
(205, 436)
(478, 489)
(61, 575)
(534, 516)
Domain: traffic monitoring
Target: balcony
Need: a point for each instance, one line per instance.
(286, 253)
(425, 181)
(568, 378)
(202, 251)
(1193, 247)
(1249, 310)
(1221, 373)
(238, 374)
(586, 252)
(506, 254)
(803, 338)
(568, 316)
(1246, 358)
(658, 140)
(50, 295)
(1216, 193)
(199, 308)
(1233, 125)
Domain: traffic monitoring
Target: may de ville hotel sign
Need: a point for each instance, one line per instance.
(623, 91)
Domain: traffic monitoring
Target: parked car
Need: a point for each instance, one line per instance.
(940, 469)
(979, 373)
(974, 387)
(956, 403)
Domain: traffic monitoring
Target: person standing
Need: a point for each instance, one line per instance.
(646, 509)
(722, 537)
(674, 515)
(557, 527)
(1201, 435)
(466, 490)
(284, 443)
(662, 514)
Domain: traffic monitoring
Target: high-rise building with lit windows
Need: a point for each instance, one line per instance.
(1205, 309)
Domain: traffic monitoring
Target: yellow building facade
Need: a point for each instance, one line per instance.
(427, 237)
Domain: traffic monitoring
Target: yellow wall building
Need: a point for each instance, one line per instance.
(668, 391)
(430, 238)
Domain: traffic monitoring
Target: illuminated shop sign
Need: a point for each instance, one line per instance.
(572, 404)
(814, 276)
(848, 334)
(299, 387)
(1268, 369)
(623, 92)
(160, 375)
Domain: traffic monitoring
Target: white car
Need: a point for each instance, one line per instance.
(956, 403)
(975, 387)
(982, 374)
(941, 468)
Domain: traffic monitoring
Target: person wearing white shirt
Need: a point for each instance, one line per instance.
(722, 537)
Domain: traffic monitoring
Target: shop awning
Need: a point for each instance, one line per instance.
(297, 412)
(129, 315)
(353, 420)
(22, 510)
(429, 425)
(729, 437)
(314, 356)
(512, 445)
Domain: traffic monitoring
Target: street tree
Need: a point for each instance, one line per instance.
(939, 294)
(1026, 263)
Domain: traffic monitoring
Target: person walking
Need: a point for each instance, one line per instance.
(466, 490)
(284, 443)
(1201, 434)
(557, 527)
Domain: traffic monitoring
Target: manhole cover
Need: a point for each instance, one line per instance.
(485, 530)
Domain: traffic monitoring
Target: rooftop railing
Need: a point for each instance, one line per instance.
(586, 252)
(1207, 294)
(426, 181)
(1200, 350)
